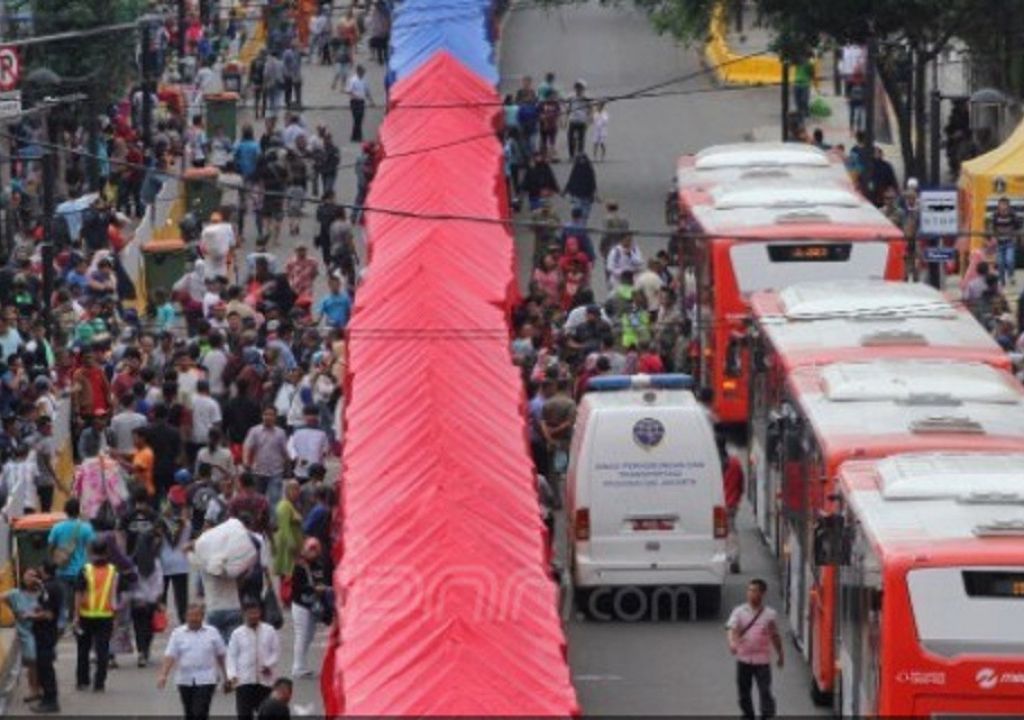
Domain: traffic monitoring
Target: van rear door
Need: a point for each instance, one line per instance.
(654, 482)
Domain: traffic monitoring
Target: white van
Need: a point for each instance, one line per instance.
(645, 502)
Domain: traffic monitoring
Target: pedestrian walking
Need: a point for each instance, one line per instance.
(266, 455)
(358, 91)
(94, 615)
(175, 533)
(49, 606)
(68, 544)
(732, 482)
(273, 82)
(803, 76)
(752, 632)
(252, 655)
(1004, 228)
(309, 595)
(291, 58)
(582, 185)
(23, 602)
(197, 651)
(145, 597)
(379, 30)
(578, 112)
(259, 97)
(600, 121)
(288, 535)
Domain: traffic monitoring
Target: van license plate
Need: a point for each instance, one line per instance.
(652, 546)
(649, 524)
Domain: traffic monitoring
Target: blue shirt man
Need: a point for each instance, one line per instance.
(247, 154)
(336, 306)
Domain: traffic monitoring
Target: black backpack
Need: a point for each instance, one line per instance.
(250, 582)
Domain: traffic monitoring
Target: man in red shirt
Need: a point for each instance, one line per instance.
(302, 271)
(733, 483)
(649, 362)
(90, 389)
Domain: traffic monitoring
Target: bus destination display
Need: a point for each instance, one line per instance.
(820, 252)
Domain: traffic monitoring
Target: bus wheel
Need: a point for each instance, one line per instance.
(819, 697)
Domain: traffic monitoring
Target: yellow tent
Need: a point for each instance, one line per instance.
(987, 178)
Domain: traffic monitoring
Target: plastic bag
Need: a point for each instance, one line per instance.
(159, 622)
(225, 550)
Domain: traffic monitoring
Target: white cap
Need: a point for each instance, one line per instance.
(912, 183)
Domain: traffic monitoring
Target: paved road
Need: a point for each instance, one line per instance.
(130, 690)
(648, 667)
(615, 52)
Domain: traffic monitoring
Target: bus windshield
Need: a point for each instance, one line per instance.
(768, 266)
(988, 604)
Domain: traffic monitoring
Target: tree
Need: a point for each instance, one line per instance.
(100, 65)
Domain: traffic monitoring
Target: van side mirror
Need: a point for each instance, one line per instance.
(830, 546)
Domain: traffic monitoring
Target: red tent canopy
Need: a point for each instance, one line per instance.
(445, 603)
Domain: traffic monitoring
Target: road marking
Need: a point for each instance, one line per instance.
(596, 678)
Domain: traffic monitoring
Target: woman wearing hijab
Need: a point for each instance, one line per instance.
(582, 185)
(539, 181)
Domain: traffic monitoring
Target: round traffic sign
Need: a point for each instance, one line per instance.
(10, 69)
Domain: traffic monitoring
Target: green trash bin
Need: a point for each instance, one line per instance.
(164, 262)
(202, 193)
(222, 111)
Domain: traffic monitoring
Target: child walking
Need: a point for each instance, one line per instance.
(600, 132)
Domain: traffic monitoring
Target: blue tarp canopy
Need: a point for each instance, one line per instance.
(421, 28)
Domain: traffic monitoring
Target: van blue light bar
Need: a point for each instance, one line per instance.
(667, 381)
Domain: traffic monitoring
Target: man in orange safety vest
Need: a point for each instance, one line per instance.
(95, 595)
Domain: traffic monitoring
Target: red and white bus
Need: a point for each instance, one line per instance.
(853, 411)
(744, 236)
(930, 585)
(823, 323)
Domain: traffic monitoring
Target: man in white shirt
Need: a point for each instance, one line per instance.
(198, 652)
(253, 652)
(18, 483)
(359, 94)
(752, 633)
(624, 256)
(308, 445)
(214, 362)
(292, 132)
(205, 416)
(649, 283)
(218, 457)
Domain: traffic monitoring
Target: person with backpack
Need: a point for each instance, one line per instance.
(144, 597)
(67, 544)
